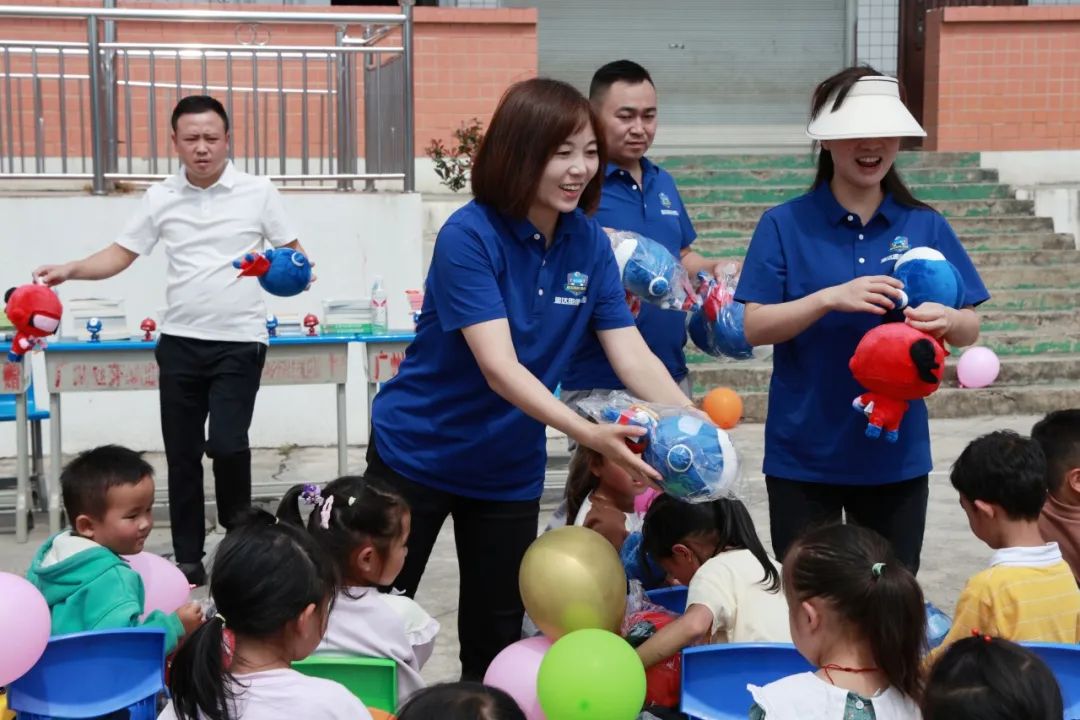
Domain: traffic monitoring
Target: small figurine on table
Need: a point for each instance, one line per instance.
(93, 326)
(148, 327)
(311, 321)
(271, 324)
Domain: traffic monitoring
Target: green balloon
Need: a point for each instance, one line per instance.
(591, 675)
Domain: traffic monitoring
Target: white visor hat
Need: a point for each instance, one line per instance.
(871, 109)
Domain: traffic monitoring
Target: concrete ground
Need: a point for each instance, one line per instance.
(950, 555)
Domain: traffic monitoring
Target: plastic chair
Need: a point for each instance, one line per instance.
(1064, 662)
(87, 675)
(714, 677)
(669, 598)
(34, 415)
(373, 680)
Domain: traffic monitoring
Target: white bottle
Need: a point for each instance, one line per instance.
(379, 321)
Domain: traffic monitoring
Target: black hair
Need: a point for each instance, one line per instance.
(626, 71)
(196, 104)
(1058, 434)
(841, 84)
(725, 522)
(1005, 469)
(461, 701)
(855, 571)
(580, 480)
(981, 678)
(265, 574)
(364, 510)
(86, 480)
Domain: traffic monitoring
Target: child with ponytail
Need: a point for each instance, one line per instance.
(272, 586)
(734, 586)
(363, 527)
(856, 614)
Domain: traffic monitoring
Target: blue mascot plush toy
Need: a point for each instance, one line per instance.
(281, 271)
(928, 277)
(694, 457)
(649, 271)
(716, 324)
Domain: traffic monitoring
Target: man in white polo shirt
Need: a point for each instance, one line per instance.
(213, 336)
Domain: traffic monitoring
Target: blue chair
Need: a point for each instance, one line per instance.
(91, 674)
(669, 598)
(714, 677)
(1064, 662)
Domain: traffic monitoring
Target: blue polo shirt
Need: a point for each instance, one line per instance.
(656, 212)
(807, 244)
(438, 423)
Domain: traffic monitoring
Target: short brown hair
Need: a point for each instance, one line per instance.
(533, 118)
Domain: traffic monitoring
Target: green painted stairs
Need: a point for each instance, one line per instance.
(1032, 321)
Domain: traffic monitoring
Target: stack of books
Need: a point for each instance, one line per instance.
(346, 316)
(110, 312)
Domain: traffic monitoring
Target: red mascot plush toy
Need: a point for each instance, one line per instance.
(897, 364)
(34, 310)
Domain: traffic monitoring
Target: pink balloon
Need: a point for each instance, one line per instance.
(978, 367)
(164, 584)
(644, 500)
(514, 670)
(25, 625)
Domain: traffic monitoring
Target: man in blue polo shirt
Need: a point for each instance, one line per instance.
(641, 197)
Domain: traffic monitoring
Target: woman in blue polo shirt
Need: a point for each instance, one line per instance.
(519, 275)
(815, 280)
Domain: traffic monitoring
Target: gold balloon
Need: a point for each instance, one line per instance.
(571, 578)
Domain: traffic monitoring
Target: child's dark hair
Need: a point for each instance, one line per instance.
(265, 573)
(580, 480)
(991, 679)
(1058, 434)
(1005, 469)
(855, 570)
(725, 522)
(841, 84)
(364, 510)
(461, 701)
(86, 480)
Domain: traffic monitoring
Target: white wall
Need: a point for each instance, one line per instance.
(351, 237)
(1049, 177)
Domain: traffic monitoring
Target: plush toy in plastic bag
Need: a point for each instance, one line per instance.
(641, 622)
(695, 459)
(716, 322)
(897, 364)
(281, 271)
(638, 564)
(928, 277)
(650, 272)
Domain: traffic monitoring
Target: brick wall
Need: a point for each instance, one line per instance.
(464, 59)
(1003, 78)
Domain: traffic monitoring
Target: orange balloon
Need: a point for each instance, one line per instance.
(724, 406)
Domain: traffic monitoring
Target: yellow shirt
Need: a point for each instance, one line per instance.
(1027, 594)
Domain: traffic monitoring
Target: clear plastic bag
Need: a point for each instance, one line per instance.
(650, 272)
(696, 459)
(715, 325)
(642, 620)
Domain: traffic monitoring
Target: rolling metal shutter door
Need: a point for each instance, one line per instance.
(747, 63)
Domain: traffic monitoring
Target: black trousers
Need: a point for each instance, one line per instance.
(896, 511)
(491, 539)
(200, 378)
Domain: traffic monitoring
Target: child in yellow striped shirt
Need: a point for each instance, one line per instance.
(1028, 593)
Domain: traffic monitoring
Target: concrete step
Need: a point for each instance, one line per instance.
(949, 208)
(991, 225)
(915, 177)
(936, 195)
(807, 160)
(981, 258)
(1062, 321)
(955, 402)
(1038, 341)
(717, 239)
(1063, 277)
(753, 376)
(1032, 299)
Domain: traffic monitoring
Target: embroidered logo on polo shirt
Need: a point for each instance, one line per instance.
(665, 208)
(897, 247)
(665, 200)
(577, 283)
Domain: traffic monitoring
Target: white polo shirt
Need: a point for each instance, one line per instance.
(204, 230)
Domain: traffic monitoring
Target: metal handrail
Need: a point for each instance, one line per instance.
(108, 69)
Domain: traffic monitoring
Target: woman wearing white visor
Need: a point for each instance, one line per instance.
(815, 280)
